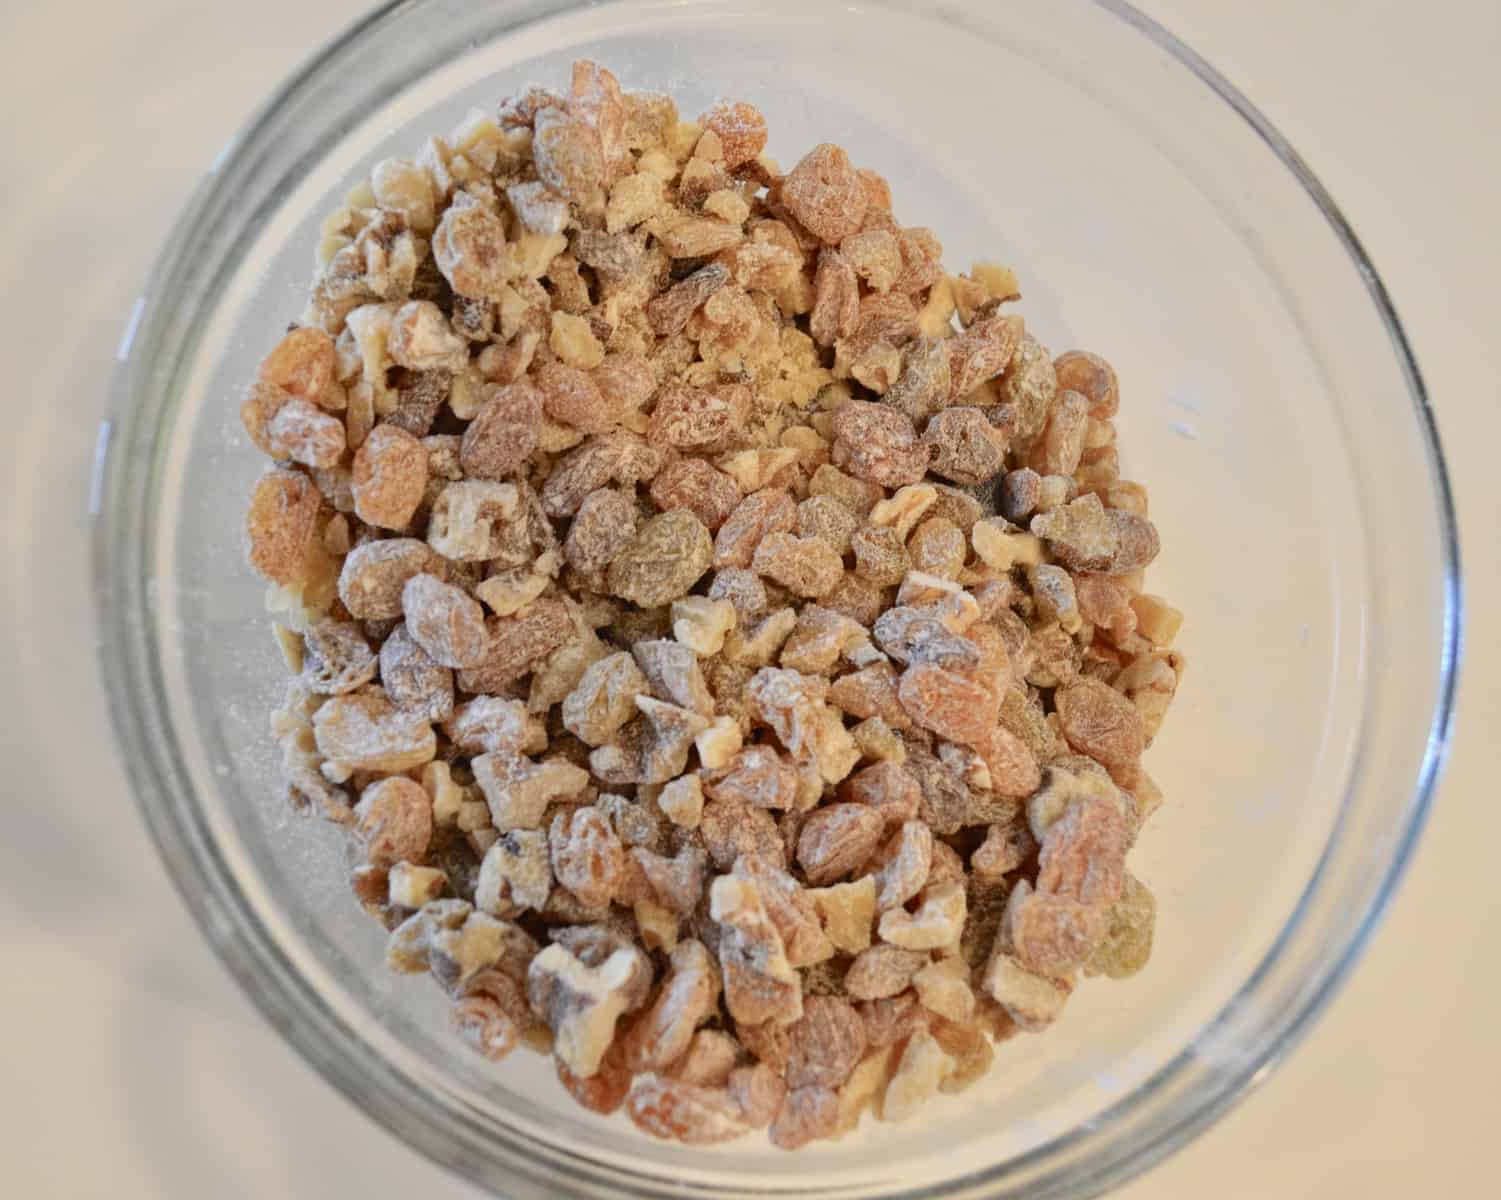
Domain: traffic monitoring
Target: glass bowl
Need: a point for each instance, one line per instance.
(1269, 400)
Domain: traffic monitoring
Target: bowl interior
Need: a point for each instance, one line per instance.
(1145, 222)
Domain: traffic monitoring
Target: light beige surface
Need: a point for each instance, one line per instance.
(132, 1066)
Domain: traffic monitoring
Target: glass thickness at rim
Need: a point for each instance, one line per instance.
(1160, 1114)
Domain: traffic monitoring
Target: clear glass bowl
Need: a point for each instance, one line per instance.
(1269, 400)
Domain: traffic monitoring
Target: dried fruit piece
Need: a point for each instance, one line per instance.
(1127, 941)
(756, 776)
(734, 829)
(604, 526)
(836, 839)
(741, 130)
(829, 519)
(878, 444)
(469, 248)
(906, 860)
(825, 1044)
(413, 681)
(571, 396)
(938, 547)
(302, 364)
(700, 420)
(363, 731)
(836, 299)
(807, 1113)
(965, 447)
(693, 484)
(604, 1091)
(281, 525)
(688, 997)
(768, 511)
(924, 385)
(503, 434)
(819, 639)
(1009, 762)
(389, 477)
(806, 566)
(394, 819)
(1100, 722)
(288, 427)
(337, 659)
(1091, 377)
(684, 1112)
(517, 644)
(859, 495)
(870, 692)
(1058, 450)
(665, 558)
(952, 706)
(982, 352)
(825, 193)
(889, 789)
(446, 623)
(668, 313)
(881, 971)
(673, 671)
(587, 857)
(486, 1025)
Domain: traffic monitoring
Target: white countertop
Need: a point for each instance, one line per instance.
(132, 1066)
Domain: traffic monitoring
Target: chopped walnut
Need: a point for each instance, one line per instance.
(936, 923)
(605, 699)
(580, 1003)
(702, 624)
(848, 912)
(518, 791)
(919, 1073)
(759, 983)
(515, 875)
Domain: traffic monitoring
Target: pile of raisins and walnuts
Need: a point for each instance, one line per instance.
(720, 629)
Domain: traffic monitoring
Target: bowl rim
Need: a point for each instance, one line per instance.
(204, 879)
